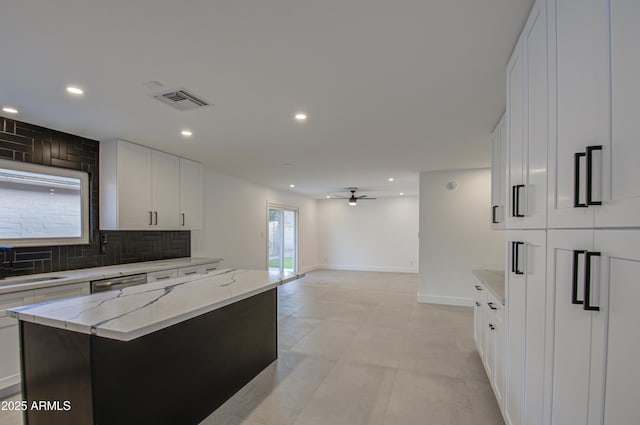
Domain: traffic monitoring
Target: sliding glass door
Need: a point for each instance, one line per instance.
(282, 251)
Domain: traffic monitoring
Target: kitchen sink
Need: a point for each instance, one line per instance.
(10, 281)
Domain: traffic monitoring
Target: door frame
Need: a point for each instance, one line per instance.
(274, 205)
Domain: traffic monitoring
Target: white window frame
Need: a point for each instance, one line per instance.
(84, 196)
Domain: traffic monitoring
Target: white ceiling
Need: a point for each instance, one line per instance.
(391, 87)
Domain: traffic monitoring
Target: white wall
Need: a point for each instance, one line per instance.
(235, 223)
(455, 235)
(380, 235)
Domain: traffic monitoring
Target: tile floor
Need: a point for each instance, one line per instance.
(357, 349)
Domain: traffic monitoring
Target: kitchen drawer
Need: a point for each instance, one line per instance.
(201, 269)
(14, 299)
(162, 275)
(60, 292)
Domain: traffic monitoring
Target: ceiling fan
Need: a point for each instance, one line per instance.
(353, 199)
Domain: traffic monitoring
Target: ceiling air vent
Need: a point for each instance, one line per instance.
(182, 100)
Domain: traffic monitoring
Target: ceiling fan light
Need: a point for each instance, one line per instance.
(353, 201)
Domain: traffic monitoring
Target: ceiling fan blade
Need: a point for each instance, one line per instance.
(366, 199)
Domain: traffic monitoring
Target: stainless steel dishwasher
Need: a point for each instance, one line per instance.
(117, 282)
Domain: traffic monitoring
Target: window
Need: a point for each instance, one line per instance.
(42, 205)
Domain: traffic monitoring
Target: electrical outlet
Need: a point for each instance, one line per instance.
(104, 247)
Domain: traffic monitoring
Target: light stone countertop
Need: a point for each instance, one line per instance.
(46, 280)
(135, 311)
(493, 280)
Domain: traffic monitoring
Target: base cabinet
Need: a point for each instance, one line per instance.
(9, 334)
(593, 276)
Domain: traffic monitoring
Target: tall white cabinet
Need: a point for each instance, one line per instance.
(145, 189)
(498, 175)
(527, 124)
(573, 224)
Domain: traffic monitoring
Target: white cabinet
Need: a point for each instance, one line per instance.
(59, 292)
(525, 330)
(489, 336)
(10, 341)
(9, 332)
(620, 151)
(165, 184)
(191, 175)
(527, 124)
(162, 275)
(201, 269)
(595, 317)
(498, 175)
(141, 189)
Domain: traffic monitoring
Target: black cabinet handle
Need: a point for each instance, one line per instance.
(515, 197)
(587, 282)
(492, 306)
(590, 150)
(182, 219)
(515, 257)
(478, 288)
(576, 180)
(574, 283)
(150, 218)
(155, 213)
(477, 304)
(494, 218)
(491, 326)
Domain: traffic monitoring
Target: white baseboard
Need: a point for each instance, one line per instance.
(310, 268)
(385, 269)
(439, 299)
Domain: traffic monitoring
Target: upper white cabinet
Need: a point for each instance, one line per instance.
(594, 151)
(620, 152)
(582, 114)
(527, 122)
(190, 194)
(498, 175)
(141, 189)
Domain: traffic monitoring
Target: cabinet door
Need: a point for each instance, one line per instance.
(581, 102)
(60, 292)
(621, 176)
(478, 320)
(10, 340)
(190, 194)
(570, 343)
(525, 305)
(498, 176)
(165, 185)
(499, 365)
(134, 186)
(162, 275)
(515, 135)
(489, 341)
(535, 46)
(615, 330)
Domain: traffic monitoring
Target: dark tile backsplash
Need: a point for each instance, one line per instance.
(30, 143)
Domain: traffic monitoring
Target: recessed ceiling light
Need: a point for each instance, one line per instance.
(401, 193)
(391, 179)
(10, 110)
(328, 196)
(300, 116)
(292, 186)
(75, 90)
(186, 133)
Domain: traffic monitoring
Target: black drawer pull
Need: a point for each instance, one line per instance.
(576, 180)
(574, 283)
(477, 304)
(590, 150)
(587, 282)
(492, 306)
(494, 218)
(515, 261)
(478, 288)
(491, 326)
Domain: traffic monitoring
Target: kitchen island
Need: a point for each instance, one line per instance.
(164, 353)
